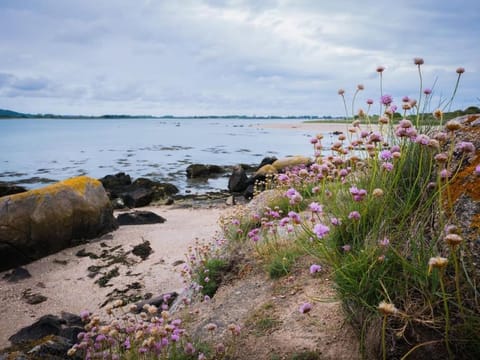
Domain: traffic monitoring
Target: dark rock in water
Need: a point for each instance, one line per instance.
(269, 160)
(238, 181)
(142, 250)
(159, 189)
(41, 222)
(139, 218)
(46, 325)
(202, 171)
(6, 189)
(115, 184)
(17, 274)
(138, 197)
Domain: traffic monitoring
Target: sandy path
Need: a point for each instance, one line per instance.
(68, 288)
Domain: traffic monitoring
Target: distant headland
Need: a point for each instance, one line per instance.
(8, 114)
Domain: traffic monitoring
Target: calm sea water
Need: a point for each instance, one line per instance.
(36, 151)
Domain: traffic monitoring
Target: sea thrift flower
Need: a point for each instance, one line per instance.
(295, 217)
(445, 174)
(346, 248)
(386, 155)
(211, 327)
(427, 91)
(405, 99)
(460, 70)
(466, 147)
(384, 242)
(341, 92)
(321, 230)
(315, 269)
(453, 125)
(387, 166)
(305, 308)
(354, 215)
(477, 170)
(369, 101)
(386, 99)
(437, 114)
(380, 69)
(335, 221)
(84, 315)
(315, 207)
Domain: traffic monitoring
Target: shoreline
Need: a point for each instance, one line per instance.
(63, 277)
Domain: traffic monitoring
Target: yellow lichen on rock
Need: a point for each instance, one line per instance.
(291, 161)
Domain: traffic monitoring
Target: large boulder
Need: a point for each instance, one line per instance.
(291, 161)
(40, 222)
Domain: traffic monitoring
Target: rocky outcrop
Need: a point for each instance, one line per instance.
(238, 180)
(141, 192)
(40, 222)
(202, 171)
(291, 161)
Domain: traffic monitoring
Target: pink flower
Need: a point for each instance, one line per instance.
(386, 99)
(315, 269)
(84, 315)
(418, 61)
(335, 221)
(477, 170)
(313, 140)
(369, 101)
(346, 248)
(321, 230)
(427, 91)
(305, 308)
(387, 166)
(466, 147)
(380, 69)
(295, 217)
(386, 155)
(384, 242)
(315, 207)
(354, 215)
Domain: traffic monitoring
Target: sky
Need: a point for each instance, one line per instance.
(220, 57)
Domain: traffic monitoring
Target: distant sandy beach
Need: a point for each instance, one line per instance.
(320, 127)
(63, 277)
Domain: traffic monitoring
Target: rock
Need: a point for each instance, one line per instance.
(264, 171)
(17, 274)
(33, 298)
(7, 189)
(238, 181)
(116, 184)
(142, 250)
(291, 161)
(267, 161)
(137, 197)
(41, 222)
(158, 301)
(46, 325)
(201, 170)
(139, 218)
(141, 192)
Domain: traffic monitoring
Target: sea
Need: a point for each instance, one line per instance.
(36, 152)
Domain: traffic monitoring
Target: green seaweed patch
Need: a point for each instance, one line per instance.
(103, 280)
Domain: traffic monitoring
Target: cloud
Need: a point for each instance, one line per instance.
(224, 56)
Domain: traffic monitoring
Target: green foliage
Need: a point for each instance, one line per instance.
(210, 275)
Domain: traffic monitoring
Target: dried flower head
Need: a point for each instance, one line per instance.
(418, 61)
(377, 192)
(453, 239)
(360, 87)
(460, 70)
(453, 125)
(437, 114)
(437, 262)
(380, 69)
(341, 92)
(387, 309)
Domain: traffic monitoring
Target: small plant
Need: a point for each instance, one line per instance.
(210, 275)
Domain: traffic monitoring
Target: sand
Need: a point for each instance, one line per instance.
(63, 277)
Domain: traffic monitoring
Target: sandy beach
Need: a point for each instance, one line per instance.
(63, 277)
